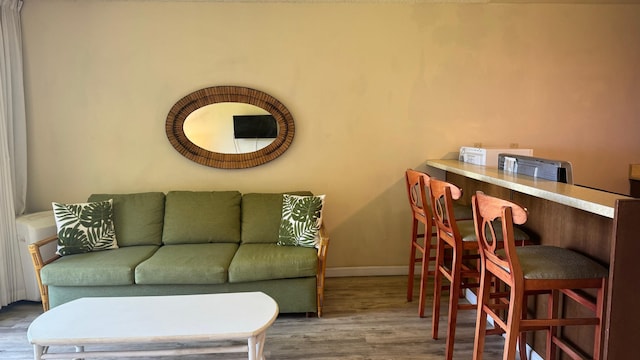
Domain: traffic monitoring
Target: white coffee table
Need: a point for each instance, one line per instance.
(123, 321)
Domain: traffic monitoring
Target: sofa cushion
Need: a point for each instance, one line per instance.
(193, 217)
(253, 262)
(101, 268)
(137, 217)
(261, 215)
(187, 264)
(84, 227)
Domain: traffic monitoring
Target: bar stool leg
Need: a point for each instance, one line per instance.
(513, 323)
(481, 316)
(437, 290)
(412, 261)
(522, 340)
(424, 275)
(552, 313)
(454, 299)
(597, 343)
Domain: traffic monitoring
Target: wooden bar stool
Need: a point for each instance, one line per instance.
(460, 268)
(421, 241)
(530, 270)
(454, 236)
(422, 223)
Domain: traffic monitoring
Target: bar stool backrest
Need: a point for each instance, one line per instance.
(442, 196)
(501, 260)
(417, 184)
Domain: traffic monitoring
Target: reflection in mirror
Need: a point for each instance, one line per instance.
(199, 145)
(212, 128)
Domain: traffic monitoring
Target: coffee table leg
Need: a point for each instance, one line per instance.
(79, 349)
(38, 350)
(256, 347)
(251, 348)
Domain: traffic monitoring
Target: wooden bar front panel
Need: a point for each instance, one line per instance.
(623, 310)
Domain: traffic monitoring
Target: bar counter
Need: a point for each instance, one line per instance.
(602, 225)
(587, 199)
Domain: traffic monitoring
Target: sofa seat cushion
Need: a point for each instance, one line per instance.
(138, 218)
(254, 262)
(261, 216)
(187, 264)
(196, 217)
(101, 268)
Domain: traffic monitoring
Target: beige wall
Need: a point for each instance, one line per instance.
(374, 88)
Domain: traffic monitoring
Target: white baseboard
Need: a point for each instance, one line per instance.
(403, 270)
(366, 271)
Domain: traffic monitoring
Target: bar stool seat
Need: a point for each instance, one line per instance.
(462, 212)
(532, 270)
(543, 262)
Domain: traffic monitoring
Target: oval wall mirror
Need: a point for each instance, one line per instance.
(230, 127)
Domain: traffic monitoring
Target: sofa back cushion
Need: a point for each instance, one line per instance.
(261, 216)
(137, 218)
(196, 217)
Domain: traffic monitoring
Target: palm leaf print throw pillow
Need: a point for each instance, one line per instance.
(84, 227)
(301, 220)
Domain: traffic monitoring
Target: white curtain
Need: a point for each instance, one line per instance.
(13, 150)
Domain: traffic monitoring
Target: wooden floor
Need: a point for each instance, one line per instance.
(365, 318)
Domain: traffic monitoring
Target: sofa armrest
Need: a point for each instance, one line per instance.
(323, 246)
(38, 263)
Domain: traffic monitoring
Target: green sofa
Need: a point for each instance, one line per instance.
(189, 242)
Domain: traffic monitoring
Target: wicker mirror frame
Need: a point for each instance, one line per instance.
(218, 94)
